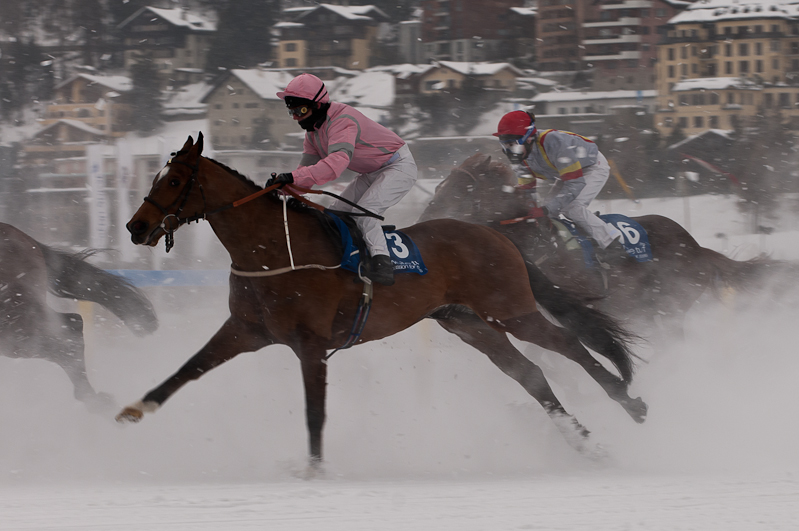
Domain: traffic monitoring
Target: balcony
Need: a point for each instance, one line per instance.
(623, 21)
(629, 4)
(614, 57)
(614, 39)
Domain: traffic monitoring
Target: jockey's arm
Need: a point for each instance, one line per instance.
(309, 159)
(341, 136)
(563, 193)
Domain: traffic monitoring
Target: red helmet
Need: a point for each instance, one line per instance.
(516, 123)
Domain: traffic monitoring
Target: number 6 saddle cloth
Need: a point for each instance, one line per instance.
(403, 252)
(633, 237)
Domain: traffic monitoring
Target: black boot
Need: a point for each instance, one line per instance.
(610, 256)
(381, 270)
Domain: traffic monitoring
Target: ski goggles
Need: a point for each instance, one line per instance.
(299, 111)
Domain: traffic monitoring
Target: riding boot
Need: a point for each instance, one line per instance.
(612, 255)
(381, 270)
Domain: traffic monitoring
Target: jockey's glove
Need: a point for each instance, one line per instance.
(538, 212)
(281, 178)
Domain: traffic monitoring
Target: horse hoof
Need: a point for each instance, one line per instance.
(637, 409)
(130, 414)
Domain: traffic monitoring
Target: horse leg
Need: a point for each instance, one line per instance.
(314, 379)
(535, 328)
(232, 339)
(473, 331)
(67, 350)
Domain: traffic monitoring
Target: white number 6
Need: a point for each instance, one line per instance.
(630, 234)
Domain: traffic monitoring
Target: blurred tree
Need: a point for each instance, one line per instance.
(243, 34)
(145, 96)
(90, 16)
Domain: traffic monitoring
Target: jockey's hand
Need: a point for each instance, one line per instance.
(538, 212)
(280, 178)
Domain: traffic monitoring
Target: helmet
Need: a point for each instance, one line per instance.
(518, 123)
(307, 87)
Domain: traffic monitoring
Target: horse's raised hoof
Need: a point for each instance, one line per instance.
(130, 414)
(636, 408)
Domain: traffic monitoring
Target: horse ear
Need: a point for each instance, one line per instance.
(483, 166)
(188, 144)
(199, 143)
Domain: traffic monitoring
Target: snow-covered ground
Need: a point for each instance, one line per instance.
(423, 432)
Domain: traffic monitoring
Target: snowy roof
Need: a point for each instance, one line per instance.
(187, 99)
(265, 83)
(115, 83)
(607, 95)
(177, 17)
(720, 132)
(77, 124)
(480, 69)
(289, 25)
(526, 11)
(372, 89)
(719, 10)
(402, 71)
(714, 83)
(350, 12)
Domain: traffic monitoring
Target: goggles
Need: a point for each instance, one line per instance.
(299, 111)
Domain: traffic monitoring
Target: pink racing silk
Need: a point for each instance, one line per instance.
(346, 140)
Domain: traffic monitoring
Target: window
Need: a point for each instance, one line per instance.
(660, 12)
(251, 105)
(699, 121)
(714, 98)
(759, 66)
(713, 122)
(682, 121)
(794, 48)
(728, 67)
(758, 48)
(758, 29)
(730, 98)
(694, 68)
(775, 45)
(291, 61)
(671, 54)
(769, 100)
(291, 47)
(785, 100)
(671, 70)
(743, 67)
(684, 53)
(684, 69)
(575, 110)
(561, 110)
(728, 50)
(775, 28)
(698, 99)
(775, 64)
(743, 48)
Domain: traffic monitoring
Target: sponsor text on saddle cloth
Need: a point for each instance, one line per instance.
(633, 237)
(404, 254)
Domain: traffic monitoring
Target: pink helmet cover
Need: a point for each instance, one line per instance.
(306, 86)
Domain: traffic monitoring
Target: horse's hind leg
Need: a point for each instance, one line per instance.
(473, 331)
(534, 328)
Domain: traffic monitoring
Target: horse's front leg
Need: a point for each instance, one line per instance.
(232, 339)
(314, 379)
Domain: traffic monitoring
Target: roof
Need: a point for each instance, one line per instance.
(77, 124)
(525, 11)
(714, 83)
(372, 89)
(606, 95)
(350, 12)
(402, 71)
(115, 83)
(479, 69)
(265, 83)
(177, 17)
(718, 132)
(725, 10)
(187, 100)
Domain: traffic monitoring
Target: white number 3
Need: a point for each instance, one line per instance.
(400, 249)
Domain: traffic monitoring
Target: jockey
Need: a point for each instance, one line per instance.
(573, 161)
(337, 138)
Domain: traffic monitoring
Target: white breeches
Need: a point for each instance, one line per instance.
(376, 192)
(596, 175)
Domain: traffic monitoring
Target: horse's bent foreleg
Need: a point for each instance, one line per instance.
(473, 331)
(231, 340)
(534, 328)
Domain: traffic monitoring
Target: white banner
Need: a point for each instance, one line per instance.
(98, 202)
(124, 180)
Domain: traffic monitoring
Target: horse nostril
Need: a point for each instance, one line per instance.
(137, 227)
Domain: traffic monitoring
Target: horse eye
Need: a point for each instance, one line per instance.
(174, 182)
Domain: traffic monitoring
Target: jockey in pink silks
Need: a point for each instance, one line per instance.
(337, 138)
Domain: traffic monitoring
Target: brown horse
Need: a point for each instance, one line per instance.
(274, 299)
(29, 328)
(654, 295)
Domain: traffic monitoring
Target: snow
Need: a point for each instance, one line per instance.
(423, 432)
(593, 95)
(715, 83)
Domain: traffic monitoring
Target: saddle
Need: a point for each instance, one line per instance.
(634, 238)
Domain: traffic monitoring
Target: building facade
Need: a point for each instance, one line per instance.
(723, 64)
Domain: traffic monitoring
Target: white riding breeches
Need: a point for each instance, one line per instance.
(595, 175)
(376, 192)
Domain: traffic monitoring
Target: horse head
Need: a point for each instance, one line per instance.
(479, 191)
(170, 196)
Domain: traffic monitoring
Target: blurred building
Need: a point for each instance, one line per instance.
(176, 40)
(329, 35)
(726, 65)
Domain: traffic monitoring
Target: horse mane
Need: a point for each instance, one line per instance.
(291, 203)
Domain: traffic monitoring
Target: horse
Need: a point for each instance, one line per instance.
(286, 287)
(653, 296)
(29, 328)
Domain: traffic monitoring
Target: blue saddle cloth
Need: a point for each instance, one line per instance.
(403, 252)
(633, 237)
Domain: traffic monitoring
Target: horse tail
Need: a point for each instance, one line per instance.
(70, 276)
(746, 275)
(595, 329)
